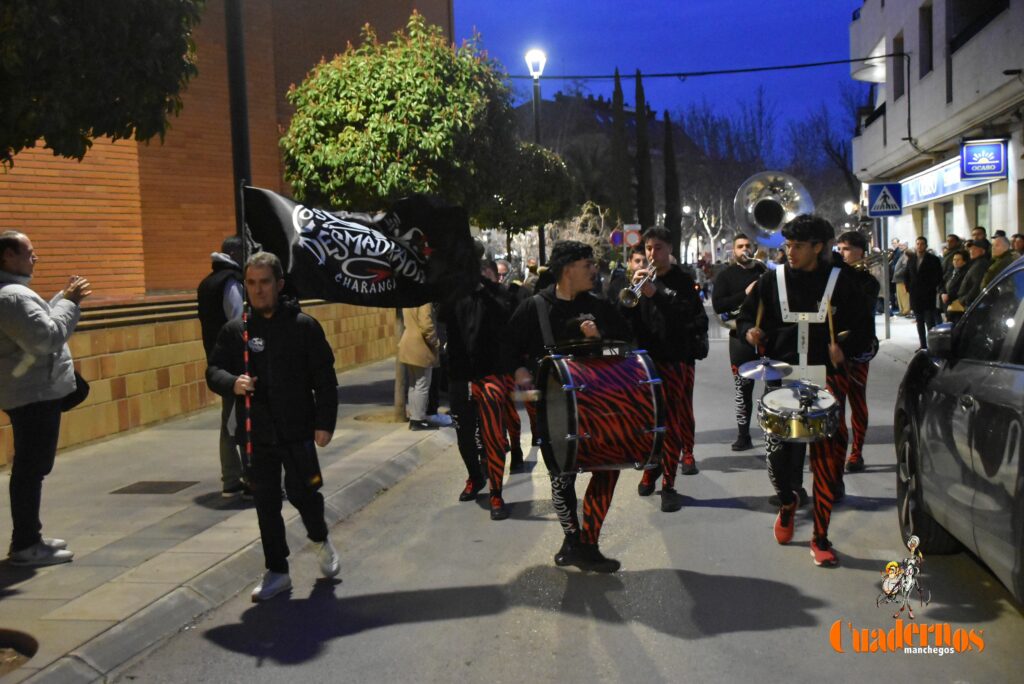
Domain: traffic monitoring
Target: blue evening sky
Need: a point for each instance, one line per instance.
(596, 36)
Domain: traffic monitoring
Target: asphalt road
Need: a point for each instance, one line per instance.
(432, 590)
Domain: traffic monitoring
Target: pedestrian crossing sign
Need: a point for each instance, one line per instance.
(885, 199)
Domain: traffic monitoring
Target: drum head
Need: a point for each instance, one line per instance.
(556, 414)
(788, 398)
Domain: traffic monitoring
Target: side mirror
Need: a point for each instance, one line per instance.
(940, 341)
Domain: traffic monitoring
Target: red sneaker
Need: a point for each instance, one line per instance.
(471, 489)
(688, 466)
(823, 553)
(498, 509)
(785, 522)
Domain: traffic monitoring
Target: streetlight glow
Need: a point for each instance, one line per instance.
(535, 61)
(850, 207)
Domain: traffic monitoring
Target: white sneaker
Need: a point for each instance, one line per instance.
(40, 554)
(55, 543)
(330, 566)
(272, 584)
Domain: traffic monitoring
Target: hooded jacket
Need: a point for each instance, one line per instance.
(35, 361)
(296, 387)
(476, 326)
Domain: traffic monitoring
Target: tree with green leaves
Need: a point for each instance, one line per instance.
(620, 171)
(411, 115)
(74, 71)
(644, 181)
(673, 209)
(537, 188)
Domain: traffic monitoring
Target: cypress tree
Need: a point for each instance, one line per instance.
(621, 176)
(644, 181)
(673, 210)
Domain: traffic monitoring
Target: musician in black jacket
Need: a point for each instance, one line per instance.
(732, 286)
(770, 318)
(294, 409)
(574, 313)
(670, 323)
(853, 247)
(479, 384)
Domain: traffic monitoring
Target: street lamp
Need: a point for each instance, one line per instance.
(535, 61)
(687, 211)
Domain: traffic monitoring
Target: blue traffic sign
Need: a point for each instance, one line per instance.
(983, 159)
(885, 199)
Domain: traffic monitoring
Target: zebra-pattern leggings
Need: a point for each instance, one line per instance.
(743, 400)
(596, 502)
(857, 396)
(786, 462)
(490, 394)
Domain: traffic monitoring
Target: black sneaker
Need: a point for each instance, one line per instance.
(854, 464)
(648, 481)
(232, 492)
(498, 509)
(471, 489)
(671, 500)
(840, 492)
(421, 425)
(688, 465)
(569, 544)
(588, 557)
(742, 443)
(516, 461)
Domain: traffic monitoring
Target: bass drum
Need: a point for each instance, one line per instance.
(600, 412)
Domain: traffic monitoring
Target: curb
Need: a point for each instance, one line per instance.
(98, 658)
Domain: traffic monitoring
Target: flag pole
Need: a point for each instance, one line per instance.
(247, 414)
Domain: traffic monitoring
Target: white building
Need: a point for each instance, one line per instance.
(962, 80)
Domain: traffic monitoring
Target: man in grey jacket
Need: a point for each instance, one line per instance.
(36, 373)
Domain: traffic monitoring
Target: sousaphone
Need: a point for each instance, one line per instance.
(767, 201)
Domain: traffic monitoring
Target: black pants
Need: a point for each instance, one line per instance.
(36, 428)
(743, 389)
(230, 460)
(302, 482)
(926, 320)
(467, 428)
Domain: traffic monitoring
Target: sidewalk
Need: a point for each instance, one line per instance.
(155, 543)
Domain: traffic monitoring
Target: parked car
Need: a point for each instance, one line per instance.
(959, 425)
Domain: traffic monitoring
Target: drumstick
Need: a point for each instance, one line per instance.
(831, 325)
(526, 395)
(757, 324)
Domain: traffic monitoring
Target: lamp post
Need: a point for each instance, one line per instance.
(535, 61)
(687, 212)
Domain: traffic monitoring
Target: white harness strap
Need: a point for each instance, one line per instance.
(803, 319)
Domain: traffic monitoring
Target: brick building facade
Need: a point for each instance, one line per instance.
(140, 219)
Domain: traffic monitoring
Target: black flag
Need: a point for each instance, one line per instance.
(415, 253)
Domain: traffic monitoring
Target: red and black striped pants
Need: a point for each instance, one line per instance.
(786, 462)
(677, 380)
(856, 394)
(490, 394)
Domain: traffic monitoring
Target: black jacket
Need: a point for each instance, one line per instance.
(730, 288)
(952, 285)
(668, 323)
(924, 275)
(210, 300)
(296, 387)
(476, 324)
(524, 342)
(853, 311)
(970, 286)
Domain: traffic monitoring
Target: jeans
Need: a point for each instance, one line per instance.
(36, 428)
(230, 460)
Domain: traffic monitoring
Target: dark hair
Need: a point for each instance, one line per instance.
(960, 253)
(980, 242)
(922, 237)
(808, 228)
(657, 233)
(981, 228)
(564, 253)
(488, 263)
(854, 238)
(267, 260)
(232, 246)
(954, 236)
(740, 236)
(638, 249)
(11, 239)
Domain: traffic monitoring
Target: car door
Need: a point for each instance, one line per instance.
(997, 436)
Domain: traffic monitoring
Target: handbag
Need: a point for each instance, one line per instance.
(77, 395)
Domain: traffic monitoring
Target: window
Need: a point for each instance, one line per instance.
(924, 16)
(981, 212)
(922, 221)
(966, 18)
(981, 334)
(898, 67)
(947, 217)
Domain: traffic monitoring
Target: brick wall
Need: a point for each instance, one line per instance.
(187, 191)
(82, 217)
(140, 375)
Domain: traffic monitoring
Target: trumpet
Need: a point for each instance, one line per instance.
(872, 260)
(630, 296)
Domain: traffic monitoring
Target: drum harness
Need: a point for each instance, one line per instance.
(803, 319)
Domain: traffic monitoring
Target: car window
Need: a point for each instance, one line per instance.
(995, 318)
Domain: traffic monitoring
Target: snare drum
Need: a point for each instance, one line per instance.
(600, 412)
(799, 412)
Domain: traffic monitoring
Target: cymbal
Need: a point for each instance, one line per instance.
(765, 369)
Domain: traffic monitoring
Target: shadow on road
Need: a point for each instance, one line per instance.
(379, 392)
(679, 603)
